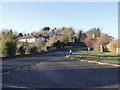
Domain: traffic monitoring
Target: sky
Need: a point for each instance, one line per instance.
(27, 17)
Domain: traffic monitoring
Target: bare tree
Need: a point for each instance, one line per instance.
(51, 41)
(89, 41)
(113, 45)
(40, 45)
(104, 39)
(95, 31)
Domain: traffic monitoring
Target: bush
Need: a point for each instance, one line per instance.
(40, 45)
(30, 49)
(97, 48)
(21, 50)
(57, 45)
(69, 44)
(113, 45)
(85, 49)
(33, 49)
(9, 48)
(47, 48)
(106, 49)
(1, 47)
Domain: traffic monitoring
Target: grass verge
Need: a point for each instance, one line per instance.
(105, 57)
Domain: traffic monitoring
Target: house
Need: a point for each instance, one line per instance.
(32, 39)
(28, 38)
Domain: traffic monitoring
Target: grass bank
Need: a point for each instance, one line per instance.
(105, 57)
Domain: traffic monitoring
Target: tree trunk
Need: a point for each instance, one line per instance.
(101, 48)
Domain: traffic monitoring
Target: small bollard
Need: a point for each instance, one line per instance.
(70, 52)
(88, 48)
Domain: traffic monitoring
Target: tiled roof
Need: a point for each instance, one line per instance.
(26, 37)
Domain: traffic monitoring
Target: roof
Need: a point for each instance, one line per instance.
(26, 37)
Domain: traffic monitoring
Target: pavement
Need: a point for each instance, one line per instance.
(53, 70)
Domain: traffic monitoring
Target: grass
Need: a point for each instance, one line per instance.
(105, 57)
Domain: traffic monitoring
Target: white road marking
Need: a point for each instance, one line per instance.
(6, 72)
(13, 86)
(21, 68)
(17, 69)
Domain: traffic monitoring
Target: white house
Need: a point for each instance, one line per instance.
(28, 38)
(31, 39)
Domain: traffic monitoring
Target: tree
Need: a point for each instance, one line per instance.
(11, 32)
(84, 36)
(113, 45)
(40, 35)
(20, 35)
(21, 50)
(8, 39)
(57, 45)
(36, 34)
(5, 32)
(51, 41)
(62, 39)
(40, 45)
(9, 48)
(46, 28)
(1, 47)
(15, 35)
(96, 32)
(68, 34)
(104, 39)
(101, 42)
(8, 45)
(89, 41)
(33, 49)
(81, 35)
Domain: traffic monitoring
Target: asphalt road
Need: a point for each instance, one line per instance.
(53, 70)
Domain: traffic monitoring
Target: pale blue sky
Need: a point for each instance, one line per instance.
(31, 16)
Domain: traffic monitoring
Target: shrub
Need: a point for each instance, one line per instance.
(9, 48)
(85, 49)
(33, 49)
(47, 48)
(113, 45)
(69, 44)
(57, 45)
(51, 41)
(21, 50)
(1, 47)
(39, 44)
(97, 48)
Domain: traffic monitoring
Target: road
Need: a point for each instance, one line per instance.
(53, 70)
